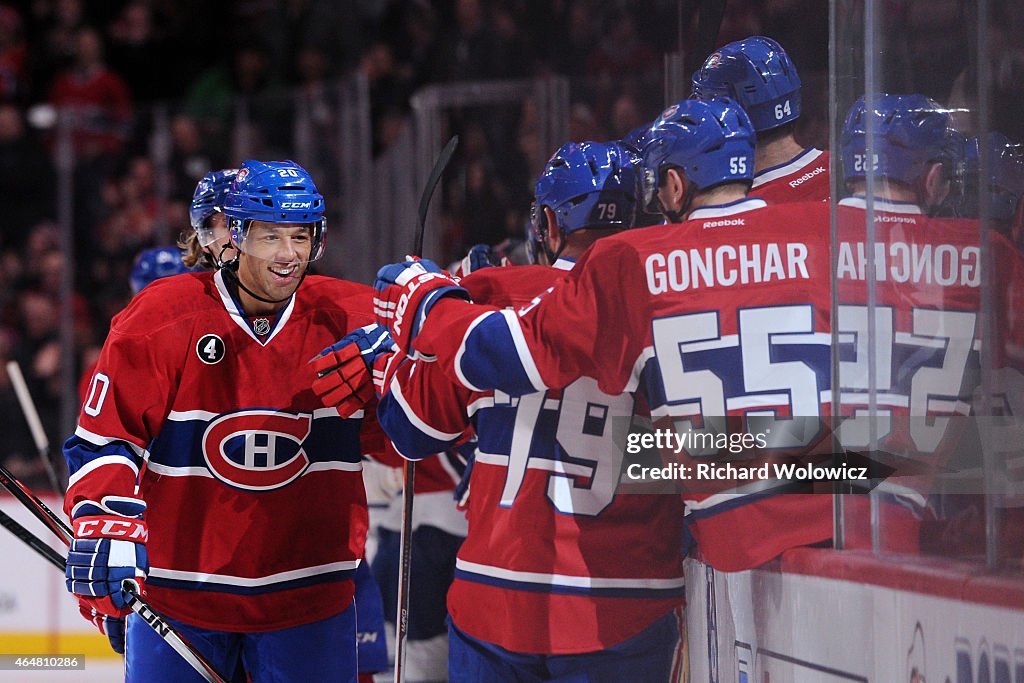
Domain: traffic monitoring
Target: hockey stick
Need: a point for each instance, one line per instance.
(709, 22)
(136, 602)
(428, 190)
(35, 506)
(169, 635)
(32, 541)
(28, 407)
(405, 552)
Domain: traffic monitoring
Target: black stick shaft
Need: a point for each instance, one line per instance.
(32, 541)
(35, 506)
(137, 603)
(405, 552)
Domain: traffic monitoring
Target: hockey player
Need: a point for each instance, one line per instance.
(207, 243)
(1000, 185)
(758, 74)
(726, 313)
(559, 578)
(247, 521)
(927, 285)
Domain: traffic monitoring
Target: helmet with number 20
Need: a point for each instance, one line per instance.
(275, 192)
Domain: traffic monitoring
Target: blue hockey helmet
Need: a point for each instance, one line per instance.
(637, 138)
(209, 199)
(711, 142)
(911, 132)
(758, 74)
(587, 185)
(153, 264)
(1003, 184)
(275, 192)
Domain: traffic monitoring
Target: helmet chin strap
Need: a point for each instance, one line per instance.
(231, 272)
(684, 210)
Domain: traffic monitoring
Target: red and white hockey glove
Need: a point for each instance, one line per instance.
(406, 292)
(346, 371)
(111, 627)
(109, 547)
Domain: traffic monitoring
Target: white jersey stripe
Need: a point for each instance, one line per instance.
(568, 579)
(227, 579)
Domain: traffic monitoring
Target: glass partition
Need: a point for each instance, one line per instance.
(927, 180)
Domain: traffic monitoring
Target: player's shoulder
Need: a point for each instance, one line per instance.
(323, 294)
(509, 285)
(321, 287)
(166, 301)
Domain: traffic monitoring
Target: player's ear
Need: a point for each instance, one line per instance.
(675, 189)
(552, 236)
(936, 186)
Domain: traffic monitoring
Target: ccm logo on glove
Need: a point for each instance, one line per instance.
(111, 527)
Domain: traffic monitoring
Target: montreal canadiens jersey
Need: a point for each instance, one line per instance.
(728, 313)
(555, 562)
(803, 178)
(256, 506)
(927, 293)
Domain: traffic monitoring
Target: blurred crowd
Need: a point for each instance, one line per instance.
(113, 68)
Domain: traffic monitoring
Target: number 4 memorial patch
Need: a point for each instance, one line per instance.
(210, 349)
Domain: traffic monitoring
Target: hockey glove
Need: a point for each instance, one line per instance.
(345, 370)
(480, 256)
(111, 627)
(406, 292)
(109, 547)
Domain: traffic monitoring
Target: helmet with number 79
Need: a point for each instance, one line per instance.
(910, 133)
(711, 142)
(758, 74)
(587, 185)
(275, 192)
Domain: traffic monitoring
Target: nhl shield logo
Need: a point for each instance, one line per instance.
(261, 326)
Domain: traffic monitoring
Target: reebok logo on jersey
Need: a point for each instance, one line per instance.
(806, 176)
(724, 223)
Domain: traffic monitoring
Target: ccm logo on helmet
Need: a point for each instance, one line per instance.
(257, 450)
(296, 205)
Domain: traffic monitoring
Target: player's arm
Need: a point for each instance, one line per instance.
(122, 413)
(421, 410)
(593, 323)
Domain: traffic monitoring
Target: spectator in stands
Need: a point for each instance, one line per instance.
(13, 56)
(25, 174)
(96, 98)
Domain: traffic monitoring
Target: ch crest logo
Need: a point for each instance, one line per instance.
(257, 450)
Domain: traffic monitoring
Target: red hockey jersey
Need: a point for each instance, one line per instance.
(555, 562)
(927, 293)
(728, 313)
(804, 178)
(256, 507)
